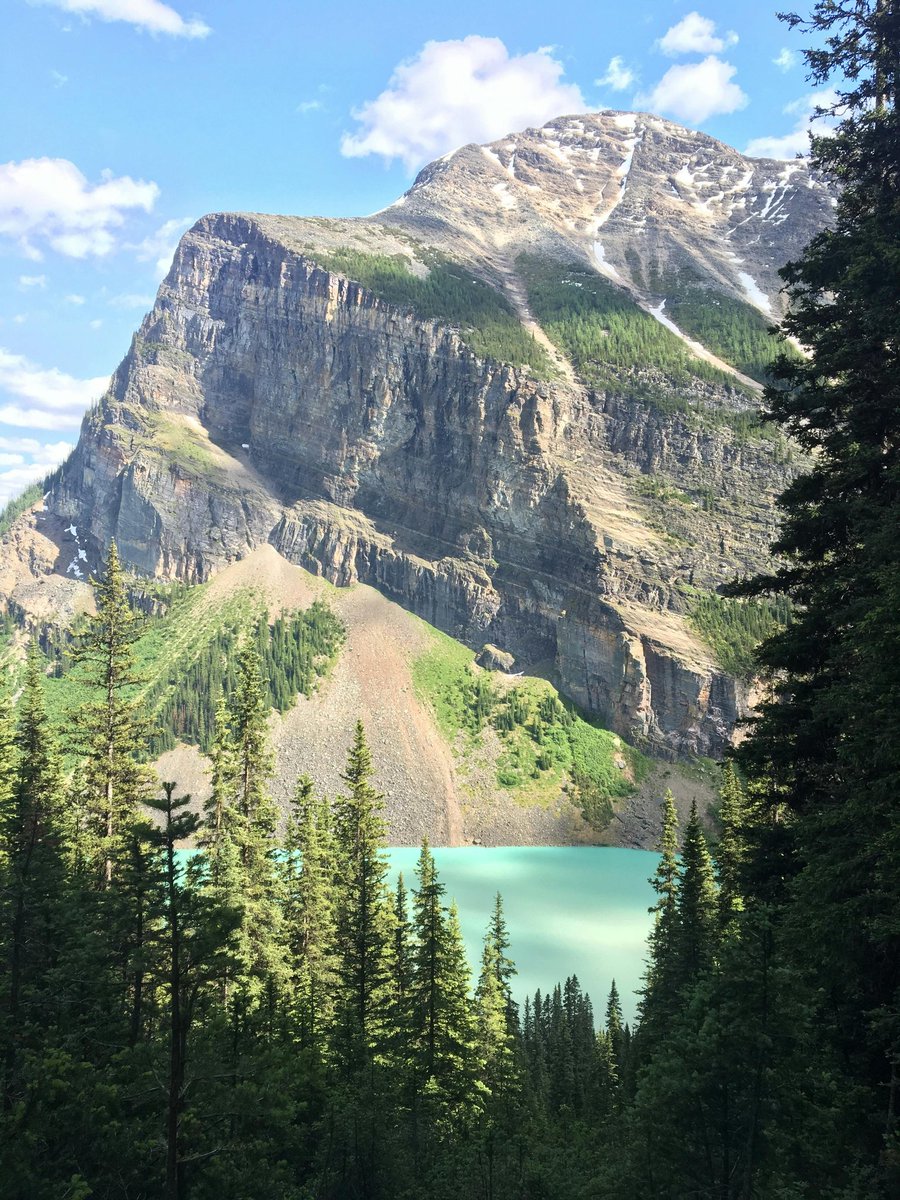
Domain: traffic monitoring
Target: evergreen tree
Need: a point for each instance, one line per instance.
(695, 939)
(363, 913)
(731, 851)
(114, 729)
(32, 849)
(657, 997)
(307, 870)
(823, 757)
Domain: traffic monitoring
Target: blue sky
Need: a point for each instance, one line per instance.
(125, 120)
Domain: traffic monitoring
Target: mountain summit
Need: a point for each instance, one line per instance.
(521, 402)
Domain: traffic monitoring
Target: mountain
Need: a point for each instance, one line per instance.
(521, 402)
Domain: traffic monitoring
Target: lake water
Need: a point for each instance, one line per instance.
(570, 910)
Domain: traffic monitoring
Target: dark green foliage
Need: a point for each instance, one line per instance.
(822, 759)
(449, 294)
(604, 333)
(732, 330)
(294, 651)
(734, 629)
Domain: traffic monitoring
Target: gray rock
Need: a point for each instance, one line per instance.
(496, 505)
(492, 658)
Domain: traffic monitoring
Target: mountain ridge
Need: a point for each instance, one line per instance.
(563, 507)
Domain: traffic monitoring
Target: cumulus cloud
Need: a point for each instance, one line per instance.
(695, 35)
(49, 201)
(454, 92)
(694, 92)
(33, 281)
(159, 247)
(808, 123)
(152, 15)
(785, 60)
(74, 298)
(41, 397)
(618, 77)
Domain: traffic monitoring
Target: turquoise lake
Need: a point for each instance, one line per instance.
(570, 910)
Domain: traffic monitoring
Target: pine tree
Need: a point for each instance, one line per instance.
(363, 914)
(822, 756)
(615, 1031)
(657, 997)
(114, 728)
(32, 849)
(731, 850)
(307, 871)
(695, 939)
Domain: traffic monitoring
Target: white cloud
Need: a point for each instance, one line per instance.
(160, 246)
(44, 398)
(96, 323)
(59, 80)
(74, 298)
(695, 35)
(24, 445)
(33, 281)
(454, 92)
(789, 145)
(785, 60)
(49, 200)
(43, 459)
(308, 106)
(152, 15)
(618, 77)
(696, 91)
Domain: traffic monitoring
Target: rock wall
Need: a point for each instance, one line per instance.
(266, 399)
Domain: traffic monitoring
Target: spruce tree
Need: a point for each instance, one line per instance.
(32, 880)
(363, 912)
(731, 850)
(657, 997)
(114, 728)
(695, 940)
(823, 756)
(307, 870)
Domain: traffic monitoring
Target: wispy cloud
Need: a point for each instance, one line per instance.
(26, 461)
(789, 145)
(618, 76)
(33, 281)
(159, 247)
(131, 300)
(150, 15)
(49, 202)
(44, 397)
(785, 60)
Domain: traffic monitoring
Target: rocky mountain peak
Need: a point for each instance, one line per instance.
(521, 402)
(626, 190)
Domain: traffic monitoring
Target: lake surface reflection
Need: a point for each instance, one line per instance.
(578, 910)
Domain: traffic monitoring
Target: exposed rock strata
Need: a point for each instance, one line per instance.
(267, 399)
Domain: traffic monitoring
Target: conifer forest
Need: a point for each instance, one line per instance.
(228, 1002)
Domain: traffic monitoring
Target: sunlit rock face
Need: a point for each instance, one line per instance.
(270, 397)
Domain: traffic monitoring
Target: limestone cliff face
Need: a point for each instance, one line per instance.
(268, 399)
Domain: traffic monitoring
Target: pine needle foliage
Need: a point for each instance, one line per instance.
(445, 292)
